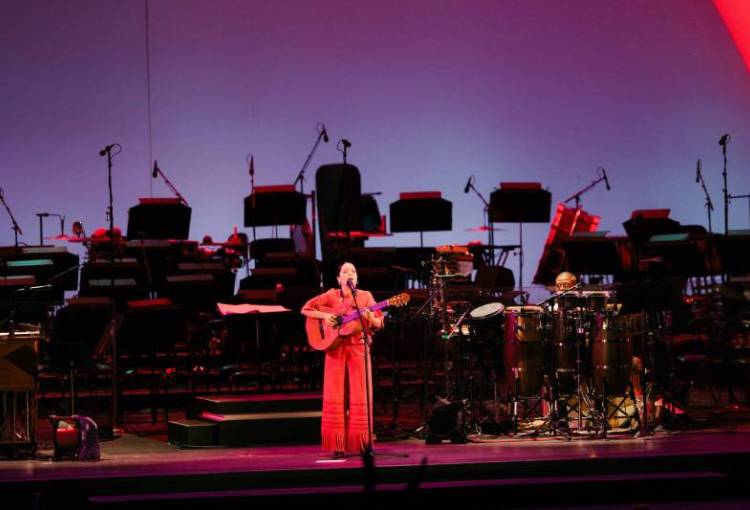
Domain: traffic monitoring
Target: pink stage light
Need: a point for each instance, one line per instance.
(736, 16)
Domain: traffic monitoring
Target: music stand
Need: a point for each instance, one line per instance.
(520, 202)
(592, 253)
(159, 218)
(270, 206)
(421, 212)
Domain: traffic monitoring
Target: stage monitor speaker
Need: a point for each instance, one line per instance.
(446, 422)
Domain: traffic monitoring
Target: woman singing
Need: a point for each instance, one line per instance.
(344, 425)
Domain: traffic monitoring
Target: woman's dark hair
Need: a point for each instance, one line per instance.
(338, 269)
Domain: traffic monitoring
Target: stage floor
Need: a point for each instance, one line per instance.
(543, 471)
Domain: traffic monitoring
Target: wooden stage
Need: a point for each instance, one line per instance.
(687, 469)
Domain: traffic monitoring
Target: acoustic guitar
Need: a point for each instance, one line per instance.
(323, 337)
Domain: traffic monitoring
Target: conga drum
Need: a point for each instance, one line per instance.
(612, 350)
(523, 351)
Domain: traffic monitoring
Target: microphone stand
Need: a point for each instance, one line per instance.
(490, 231)
(301, 175)
(370, 451)
(577, 195)
(251, 167)
(727, 196)
(368, 372)
(168, 183)
(709, 205)
(15, 227)
(112, 324)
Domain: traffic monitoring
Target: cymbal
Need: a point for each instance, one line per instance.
(484, 228)
(60, 237)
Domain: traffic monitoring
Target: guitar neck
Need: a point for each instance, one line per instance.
(355, 314)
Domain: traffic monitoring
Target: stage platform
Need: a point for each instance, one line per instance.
(706, 467)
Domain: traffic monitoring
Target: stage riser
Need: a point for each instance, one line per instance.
(249, 420)
(264, 403)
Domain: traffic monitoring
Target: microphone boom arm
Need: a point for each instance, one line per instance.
(301, 175)
(16, 228)
(171, 186)
(577, 195)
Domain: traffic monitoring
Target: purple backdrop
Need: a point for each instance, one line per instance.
(429, 92)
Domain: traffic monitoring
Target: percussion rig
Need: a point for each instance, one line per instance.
(568, 358)
(574, 352)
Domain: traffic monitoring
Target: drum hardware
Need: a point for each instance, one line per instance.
(658, 332)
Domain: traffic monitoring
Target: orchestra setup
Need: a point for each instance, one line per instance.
(152, 309)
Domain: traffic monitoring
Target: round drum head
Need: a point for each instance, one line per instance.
(485, 311)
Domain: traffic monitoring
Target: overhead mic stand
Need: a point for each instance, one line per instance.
(490, 230)
(14, 226)
(322, 135)
(601, 176)
(157, 171)
(709, 205)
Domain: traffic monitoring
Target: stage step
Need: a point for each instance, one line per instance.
(247, 420)
(192, 433)
(257, 403)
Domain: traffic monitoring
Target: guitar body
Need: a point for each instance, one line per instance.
(323, 337)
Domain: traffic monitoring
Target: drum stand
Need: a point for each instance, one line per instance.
(651, 386)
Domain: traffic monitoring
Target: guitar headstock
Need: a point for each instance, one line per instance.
(399, 299)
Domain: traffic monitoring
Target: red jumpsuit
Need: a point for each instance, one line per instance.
(344, 423)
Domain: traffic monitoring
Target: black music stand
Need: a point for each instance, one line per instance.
(159, 218)
(275, 207)
(520, 203)
(421, 212)
(592, 253)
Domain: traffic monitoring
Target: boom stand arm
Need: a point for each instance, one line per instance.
(490, 231)
(301, 175)
(171, 186)
(15, 227)
(577, 195)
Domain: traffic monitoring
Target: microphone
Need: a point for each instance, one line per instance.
(606, 181)
(350, 284)
(252, 165)
(156, 170)
(43, 214)
(468, 184)
(106, 149)
(724, 139)
(346, 143)
(324, 133)
(698, 171)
